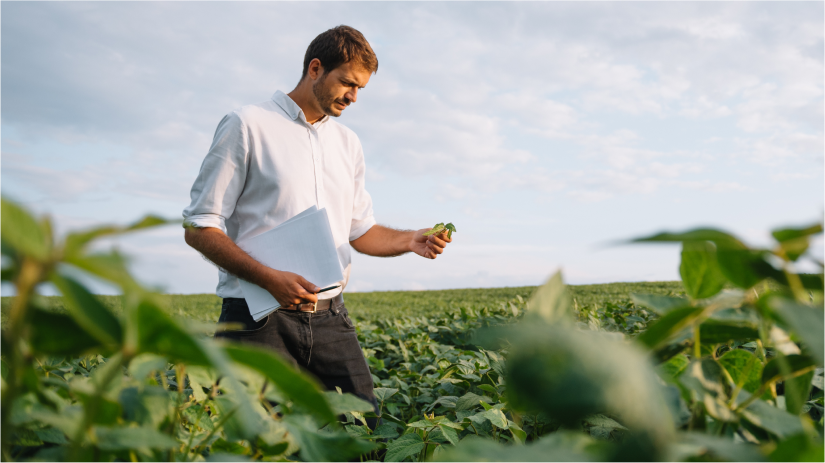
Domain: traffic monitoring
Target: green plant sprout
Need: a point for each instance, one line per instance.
(440, 227)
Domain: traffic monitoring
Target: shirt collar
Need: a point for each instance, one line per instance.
(292, 109)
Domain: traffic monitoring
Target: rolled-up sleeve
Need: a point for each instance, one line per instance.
(222, 176)
(362, 216)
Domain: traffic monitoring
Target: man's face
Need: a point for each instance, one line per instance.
(337, 89)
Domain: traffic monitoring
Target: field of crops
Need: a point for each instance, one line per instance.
(382, 305)
(725, 365)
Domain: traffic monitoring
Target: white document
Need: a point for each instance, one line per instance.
(302, 245)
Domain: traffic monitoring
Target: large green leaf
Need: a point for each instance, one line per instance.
(76, 242)
(805, 321)
(799, 448)
(110, 266)
(571, 374)
(21, 232)
(659, 304)
(403, 447)
(557, 446)
(746, 267)
(797, 391)
(124, 438)
(744, 368)
(718, 332)
(720, 238)
(670, 324)
(58, 334)
(551, 302)
(771, 419)
(795, 241)
(324, 445)
(342, 403)
(157, 333)
(699, 270)
(302, 389)
(88, 311)
(470, 401)
(786, 366)
(153, 331)
(701, 447)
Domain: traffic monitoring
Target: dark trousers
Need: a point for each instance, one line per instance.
(323, 343)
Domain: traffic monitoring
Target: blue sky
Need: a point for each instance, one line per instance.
(544, 131)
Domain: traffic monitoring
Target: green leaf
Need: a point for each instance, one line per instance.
(496, 417)
(551, 302)
(719, 449)
(200, 378)
(746, 267)
(299, 387)
(805, 321)
(470, 401)
(384, 393)
(21, 232)
(798, 448)
(438, 228)
(699, 270)
(88, 311)
(157, 333)
(76, 242)
(720, 238)
(666, 327)
(569, 374)
(224, 457)
(385, 431)
(58, 334)
(718, 332)
(110, 266)
(556, 446)
(449, 433)
(671, 369)
(744, 369)
(704, 376)
(786, 234)
(143, 364)
(786, 366)
(797, 391)
(765, 416)
(659, 304)
(451, 229)
(132, 438)
(795, 241)
(342, 403)
(403, 447)
(324, 445)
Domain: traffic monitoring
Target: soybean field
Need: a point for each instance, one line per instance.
(726, 365)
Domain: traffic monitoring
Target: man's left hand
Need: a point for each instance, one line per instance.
(429, 246)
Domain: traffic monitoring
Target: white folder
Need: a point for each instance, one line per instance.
(302, 245)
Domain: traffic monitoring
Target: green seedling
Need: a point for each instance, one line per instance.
(440, 227)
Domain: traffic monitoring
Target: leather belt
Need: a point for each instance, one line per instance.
(324, 304)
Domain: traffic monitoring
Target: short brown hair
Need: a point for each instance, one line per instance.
(340, 45)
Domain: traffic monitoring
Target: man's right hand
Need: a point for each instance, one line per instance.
(290, 289)
(286, 287)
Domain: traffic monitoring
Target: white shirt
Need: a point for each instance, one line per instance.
(267, 164)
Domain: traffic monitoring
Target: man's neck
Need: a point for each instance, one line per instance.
(305, 99)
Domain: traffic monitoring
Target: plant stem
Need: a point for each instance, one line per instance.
(697, 346)
(94, 405)
(31, 273)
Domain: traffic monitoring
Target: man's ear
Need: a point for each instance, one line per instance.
(315, 69)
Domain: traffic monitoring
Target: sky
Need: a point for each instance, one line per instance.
(548, 133)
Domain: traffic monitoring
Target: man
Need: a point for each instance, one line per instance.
(268, 162)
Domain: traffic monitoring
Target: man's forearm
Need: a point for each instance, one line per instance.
(223, 252)
(381, 241)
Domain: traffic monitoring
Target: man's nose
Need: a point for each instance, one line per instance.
(352, 95)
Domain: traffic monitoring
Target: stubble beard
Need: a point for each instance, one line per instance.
(325, 99)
